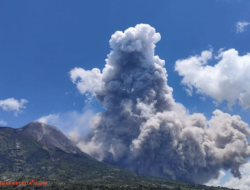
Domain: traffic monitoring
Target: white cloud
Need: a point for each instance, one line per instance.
(228, 79)
(13, 105)
(86, 81)
(244, 182)
(3, 123)
(241, 26)
(72, 124)
(232, 182)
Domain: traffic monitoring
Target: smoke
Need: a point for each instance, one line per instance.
(143, 128)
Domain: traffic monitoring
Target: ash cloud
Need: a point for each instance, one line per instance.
(143, 128)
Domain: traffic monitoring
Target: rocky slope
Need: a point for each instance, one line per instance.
(42, 151)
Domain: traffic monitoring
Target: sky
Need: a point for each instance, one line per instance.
(42, 41)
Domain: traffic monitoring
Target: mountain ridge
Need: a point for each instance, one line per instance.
(49, 135)
(37, 150)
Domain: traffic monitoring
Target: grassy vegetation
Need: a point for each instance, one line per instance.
(23, 159)
(145, 185)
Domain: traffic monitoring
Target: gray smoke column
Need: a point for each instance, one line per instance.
(143, 128)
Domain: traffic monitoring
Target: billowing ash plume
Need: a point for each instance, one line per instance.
(144, 129)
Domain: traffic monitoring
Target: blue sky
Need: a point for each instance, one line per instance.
(41, 41)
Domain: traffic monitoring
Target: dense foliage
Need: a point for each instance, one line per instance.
(24, 159)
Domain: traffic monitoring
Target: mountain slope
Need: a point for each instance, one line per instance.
(49, 136)
(42, 151)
